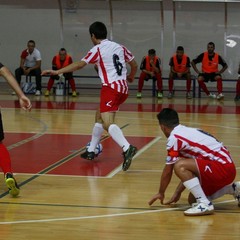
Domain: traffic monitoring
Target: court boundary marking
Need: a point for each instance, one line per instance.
(105, 215)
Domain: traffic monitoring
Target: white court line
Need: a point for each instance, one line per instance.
(101, 216)
(139, 152)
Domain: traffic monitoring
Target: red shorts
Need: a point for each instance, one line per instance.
(215, 175)
(110, 99)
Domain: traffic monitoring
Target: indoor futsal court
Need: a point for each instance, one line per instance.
(65, 197)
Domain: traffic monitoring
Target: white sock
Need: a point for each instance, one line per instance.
(193, 185)
(225, 190)
(117, 135)
(96, 136)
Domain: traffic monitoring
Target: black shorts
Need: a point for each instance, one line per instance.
(1, 128)
(209, 76)
(184, 76)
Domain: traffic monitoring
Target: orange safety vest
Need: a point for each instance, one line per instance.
(210, 66)
(180, 67)
(148, 66)
(61, 64)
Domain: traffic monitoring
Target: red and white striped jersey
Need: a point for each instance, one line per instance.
(195, 143)
(111, 59)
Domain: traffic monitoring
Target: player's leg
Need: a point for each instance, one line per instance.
(237, 97)
(187, 171)
(95, 139)
(49, 86)
(5, 165)
(73, 86)
(170, 84)
(201, 78)
(188, 85)
(142, 76)
(218, 79)
(159, 84)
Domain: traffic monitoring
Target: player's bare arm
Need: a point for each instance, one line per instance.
(131, 75)
(70, 68)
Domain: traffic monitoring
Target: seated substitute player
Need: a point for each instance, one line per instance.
(238, 86)
(202, 163)
(62, 59)
(210, 72)
(111, 59)
(5, 160)
(151, 69)
(180, 68)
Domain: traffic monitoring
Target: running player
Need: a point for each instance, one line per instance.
(202, 163)
(110, 59)
(5, 161)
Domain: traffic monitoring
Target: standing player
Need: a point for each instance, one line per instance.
(5, 161)
(202, 163)
(210, 72)
(111, 59)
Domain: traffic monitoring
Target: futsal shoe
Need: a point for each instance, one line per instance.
(236, 188)
(12, 185)
(128, 156)
(88, 155)
(212, 95)
(200, 209)
(220, 96)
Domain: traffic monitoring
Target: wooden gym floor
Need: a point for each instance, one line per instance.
(65, 197)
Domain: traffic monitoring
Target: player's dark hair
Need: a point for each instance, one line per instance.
(168, 117)
(151, 52)
(31, 41)
(180, 48)
(63, 49)
(212, 44)
(99, 30)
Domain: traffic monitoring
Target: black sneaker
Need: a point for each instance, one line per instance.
(12, 185)
(88, 155)
(128, 155)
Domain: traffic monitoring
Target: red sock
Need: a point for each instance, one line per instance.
(203, 87)
(238, 88)
(170, 84)
(5, 161)
(189, 81)
(219, 85)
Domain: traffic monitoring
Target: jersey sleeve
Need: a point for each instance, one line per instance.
(1, 65)
(92, 56)
(128, 56)
(173, 150)
(24, 54)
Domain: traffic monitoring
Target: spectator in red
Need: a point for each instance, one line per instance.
(62, 59)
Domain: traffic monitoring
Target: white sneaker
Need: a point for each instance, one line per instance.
(13, 93)
(200, 209)
(37, 93)
(236, 188)
(220, 96)
(212, 95)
